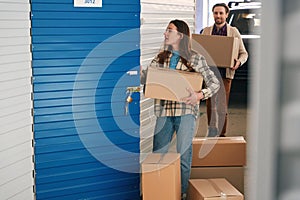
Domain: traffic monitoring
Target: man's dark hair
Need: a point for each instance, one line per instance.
(223, 5)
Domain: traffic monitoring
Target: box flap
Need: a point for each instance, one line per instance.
(159, 158)
(206, 190)
(158, 161)
(152, 158)
(209, 188)
(169, 158)
(208, 140)
(222, 185)
(152, 163)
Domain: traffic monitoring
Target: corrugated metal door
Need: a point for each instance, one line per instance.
(16, 164)
(155, 17)
(84, 58)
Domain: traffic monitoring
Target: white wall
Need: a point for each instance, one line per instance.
(16, 152)
(155, 16)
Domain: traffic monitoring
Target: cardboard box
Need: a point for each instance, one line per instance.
(235, 175)
(219, 151)
(212, 189)
(161, 178)
(168, 84)
(218, 50)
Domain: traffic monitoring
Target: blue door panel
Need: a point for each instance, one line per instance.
(49, 133)
(75, 54)
(92, 63)
(109, 123)
(86, 115)
(74, 153)
(67, 93)
(84, 85)
(96, 195)
(86, 146)
(67, 193)
(68, 7)
(84, 23)
(68, 143)
(45, 106)
(55, 70)
(119, 184)
(78, 171)
(89, 178)
(84, 15)
(57, 111)
(115, 2)
(74, 46)
(52, 168)
(124, 194)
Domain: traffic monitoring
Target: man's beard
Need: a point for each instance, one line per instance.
(218, 21)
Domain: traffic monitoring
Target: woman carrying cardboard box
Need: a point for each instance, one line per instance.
(180, 116)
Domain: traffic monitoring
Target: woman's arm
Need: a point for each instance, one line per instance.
(210, 79)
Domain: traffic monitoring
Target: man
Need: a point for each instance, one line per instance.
(217, 105)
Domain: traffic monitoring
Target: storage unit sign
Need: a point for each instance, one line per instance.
(87, 3)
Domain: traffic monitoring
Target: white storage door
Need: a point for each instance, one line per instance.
(16, 164)
(155, 16)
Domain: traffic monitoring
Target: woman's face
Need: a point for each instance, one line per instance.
(172, 36)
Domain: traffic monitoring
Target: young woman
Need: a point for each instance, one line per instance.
(180, 117)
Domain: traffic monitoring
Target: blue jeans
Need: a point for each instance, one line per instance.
(184, 126)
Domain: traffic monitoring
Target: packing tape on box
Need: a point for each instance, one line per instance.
(223, 195)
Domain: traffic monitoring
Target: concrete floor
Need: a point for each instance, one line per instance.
(237, 121)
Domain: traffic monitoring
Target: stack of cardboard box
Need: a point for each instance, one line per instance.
(217, 163)
(220, 157)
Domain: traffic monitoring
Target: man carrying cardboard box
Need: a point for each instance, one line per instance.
(217, 105)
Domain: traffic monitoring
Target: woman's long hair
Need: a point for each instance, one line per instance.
(185, 50)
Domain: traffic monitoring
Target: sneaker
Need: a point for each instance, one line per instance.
(212, 132)
(183, 196)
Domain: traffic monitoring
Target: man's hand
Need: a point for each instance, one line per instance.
(237, 64)
(193, 98)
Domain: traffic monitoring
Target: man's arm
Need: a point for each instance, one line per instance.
(243, 54)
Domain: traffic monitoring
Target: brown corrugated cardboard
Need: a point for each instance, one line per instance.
(219, 151)
(161, 177)
(212, 189)
(235, 175)
(218, 50)
(168, 84)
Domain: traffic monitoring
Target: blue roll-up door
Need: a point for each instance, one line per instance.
(84, 58)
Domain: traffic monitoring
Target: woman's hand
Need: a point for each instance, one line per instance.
(193, 98)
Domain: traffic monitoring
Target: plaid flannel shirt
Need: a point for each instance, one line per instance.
(174, 108)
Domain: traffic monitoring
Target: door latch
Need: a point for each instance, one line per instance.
(129, 99)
